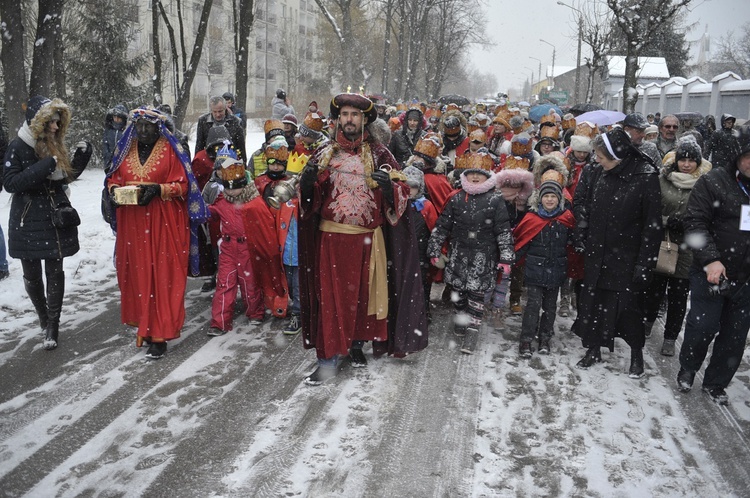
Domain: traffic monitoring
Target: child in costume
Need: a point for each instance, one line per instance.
(541, 238)
(235, 268)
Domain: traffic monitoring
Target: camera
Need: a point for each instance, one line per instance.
(724, 289)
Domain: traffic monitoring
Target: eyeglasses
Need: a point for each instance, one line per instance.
(477, 142)
(671, 127)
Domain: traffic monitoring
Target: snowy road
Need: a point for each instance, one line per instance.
(228, 416)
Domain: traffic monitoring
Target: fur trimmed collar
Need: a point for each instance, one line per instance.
(477, 188)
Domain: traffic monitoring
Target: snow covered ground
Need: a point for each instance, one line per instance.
(229, 416)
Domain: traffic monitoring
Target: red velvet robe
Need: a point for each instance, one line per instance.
(153, 245)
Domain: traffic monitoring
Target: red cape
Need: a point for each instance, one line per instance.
(532, 224)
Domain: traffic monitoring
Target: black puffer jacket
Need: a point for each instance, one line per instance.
(31, 234)
(402, 143)
(480, 238)
(712, 222)
(546, 255)
(723, 147)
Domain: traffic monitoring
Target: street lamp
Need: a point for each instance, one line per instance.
(578, 55)
(552, 84)
(539, 80)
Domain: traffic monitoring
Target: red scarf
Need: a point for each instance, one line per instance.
(532, 224)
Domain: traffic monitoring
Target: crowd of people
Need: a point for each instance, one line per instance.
(346, 216)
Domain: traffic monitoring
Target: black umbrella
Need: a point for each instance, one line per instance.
(459, 100)
(584, 107)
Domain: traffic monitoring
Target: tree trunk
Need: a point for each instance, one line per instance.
(187, 78)
(60, 71)
(173, 48)
(629, 92)
(156, 55)
(12, 57)
(48, 33)
(241, 58)
(386, 45)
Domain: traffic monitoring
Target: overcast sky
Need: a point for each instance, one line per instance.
(516, 27)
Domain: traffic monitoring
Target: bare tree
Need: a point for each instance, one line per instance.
(14, 69)
(242, 20)
(639, 20)
(735, 52)
(156, 57)
(343, 33)
(597, 34)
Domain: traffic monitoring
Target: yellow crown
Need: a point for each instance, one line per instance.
(475, 160)
(429, 145)
(296, 162)
(514, 162)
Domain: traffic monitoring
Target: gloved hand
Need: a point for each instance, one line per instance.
(434, 261)
(505, 268)
(641, 278)
(112, 200)
(307, 180)
(211, 192)
(674, 224)
(148, 192)
(82, 147)
(384, 181)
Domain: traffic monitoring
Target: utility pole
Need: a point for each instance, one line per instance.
(578, 55)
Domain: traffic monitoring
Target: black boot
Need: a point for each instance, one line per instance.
(55, 293)
(35, 290)
(593, 355)
(636, 363)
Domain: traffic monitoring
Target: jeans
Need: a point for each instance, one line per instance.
(539, 299)
(3, 254)
(292, 282)
(723, 319)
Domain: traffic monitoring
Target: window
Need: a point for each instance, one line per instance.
(271, 47)
(259, 44)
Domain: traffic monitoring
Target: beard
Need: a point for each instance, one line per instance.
(351, 131)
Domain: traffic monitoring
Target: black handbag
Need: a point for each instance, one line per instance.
(64, 215)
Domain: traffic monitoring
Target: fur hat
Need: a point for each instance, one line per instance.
(580, 143)
(553, 165)
(354, 100)
(414, 178)
(516, 178)
(40, 110)
(688, 148)
(272, 128)
(516, 123)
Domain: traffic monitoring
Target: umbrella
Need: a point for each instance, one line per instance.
(584, 107)
(523, 103)
(536, 112)
(459, 100)
(601, 117)
(689, 119)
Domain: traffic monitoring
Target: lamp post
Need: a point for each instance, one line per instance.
(531, 81)
(539, 80)
(578, 55)
(552, 79)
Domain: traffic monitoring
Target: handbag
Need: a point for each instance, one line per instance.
(668, 252)
(64, 215)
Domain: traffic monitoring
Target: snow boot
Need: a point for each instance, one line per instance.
(524, 350)
(470, 340)
(667, 347)
(156, 351)
(685, 380)
(592, 356)
(35, 290)
(55, 294)
(636, 363)
(649, 326)
(717, 394)
(543, 346)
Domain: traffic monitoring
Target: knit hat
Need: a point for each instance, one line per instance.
(228, 96)
(34, 105)
(290, 119)
(551, 187)
(272, 128)
(688, 148)
(280, 93)
(217, 135)
(414, 178)
(652, 129)
(580, 143)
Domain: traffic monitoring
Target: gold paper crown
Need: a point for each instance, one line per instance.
(520, 149)
(552, 175)
(233, 172)
(514, 162)
(394, 124)
(547, 118)
(586, 129)
(568, 122)
(478, 135)
(401, 106)
(550, 131)
(296, 162)
(272, 124)
(313, 121)
(429, 145)
(475, 160)
(452, 107)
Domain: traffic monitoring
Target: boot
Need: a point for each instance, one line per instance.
(55, 293)
(667, 347)
(592, 356)
(565, 292)
(636, 363)
(35, 290)
(649, 326)
(470, 340)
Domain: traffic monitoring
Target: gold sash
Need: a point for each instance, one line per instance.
(378, 281)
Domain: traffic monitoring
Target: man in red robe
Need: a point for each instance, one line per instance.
(351, 213)
(153, 246)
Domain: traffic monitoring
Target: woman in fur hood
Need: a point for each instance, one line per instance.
(681, 169)
(37, 171)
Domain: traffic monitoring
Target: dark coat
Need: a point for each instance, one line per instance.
(235, 129)
(480, 238)
(722, 148)
(112, 133)
(546, 256)
(31, 234)
(713, 214)
(402, 145)
(618, 215)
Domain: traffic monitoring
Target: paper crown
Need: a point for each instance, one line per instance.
(515, 162)
(313, 121)
(452, 107)
(550, 131)
(547, 118)
(277, 149)
(478, 136)
(394, 124)
(521, 146)
(568, 122)
(228, 167)
(272, 128)
(296, 162)
(475, 160)
(586, 129)
(429, 146)
(552, 175)
(482, 119)
(401, 106)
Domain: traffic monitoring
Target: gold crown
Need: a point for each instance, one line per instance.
(235, 170)
(586, 129)
(313, 121)
(514, 162)
(552, 175)
(272, 124)
(568, 122)
(401, 106)
(519, 149)
(547, 118)
(478, 136)
(475, 160)
(280, 154)
(429, 145)
(296, 162)
(550, 131)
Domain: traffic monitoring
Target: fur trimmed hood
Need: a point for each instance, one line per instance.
(514, 178)
(45, 113)
(379, 132)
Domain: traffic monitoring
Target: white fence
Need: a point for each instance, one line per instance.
(726, 93)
